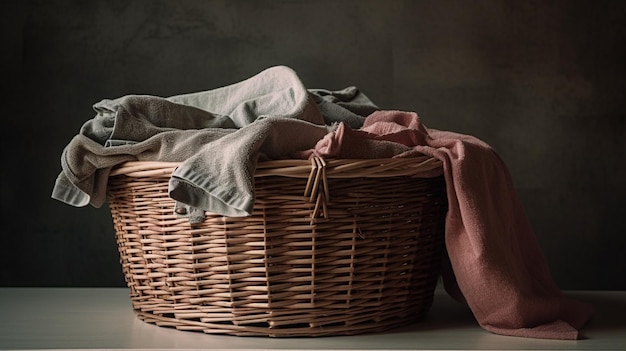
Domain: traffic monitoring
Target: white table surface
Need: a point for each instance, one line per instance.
(101, 318)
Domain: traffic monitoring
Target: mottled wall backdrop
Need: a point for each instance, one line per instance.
(543, 82)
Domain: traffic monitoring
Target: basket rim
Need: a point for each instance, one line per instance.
(302, 168)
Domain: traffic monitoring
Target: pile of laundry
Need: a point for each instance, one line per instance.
(495, 265)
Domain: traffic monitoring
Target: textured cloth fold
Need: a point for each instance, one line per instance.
(86, 163)
(225, 184)
(495, 263)
(183, 129)
(348, 105)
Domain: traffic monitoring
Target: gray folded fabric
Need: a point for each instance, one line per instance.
(276, 91)
(214, 175)
(86, 164)
(348, 105)
(220, 177)
(135, 118)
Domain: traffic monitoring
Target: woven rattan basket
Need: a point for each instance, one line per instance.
(333, 247)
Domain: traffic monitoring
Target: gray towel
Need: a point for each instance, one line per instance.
(220, 177)
(135, 118)
(86, 163)
(276, 91)
(189, 128)
(349, 105)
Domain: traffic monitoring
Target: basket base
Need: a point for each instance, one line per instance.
(321, 323)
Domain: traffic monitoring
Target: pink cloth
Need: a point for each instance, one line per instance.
(495, 263)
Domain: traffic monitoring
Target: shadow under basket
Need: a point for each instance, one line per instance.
(333, 247)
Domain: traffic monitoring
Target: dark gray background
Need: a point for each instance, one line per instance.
(542, 81)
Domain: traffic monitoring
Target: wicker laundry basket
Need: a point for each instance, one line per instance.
(334, 247)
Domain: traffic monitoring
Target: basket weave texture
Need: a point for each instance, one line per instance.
(333, 247)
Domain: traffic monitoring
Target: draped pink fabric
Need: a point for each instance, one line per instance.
(495, 263)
